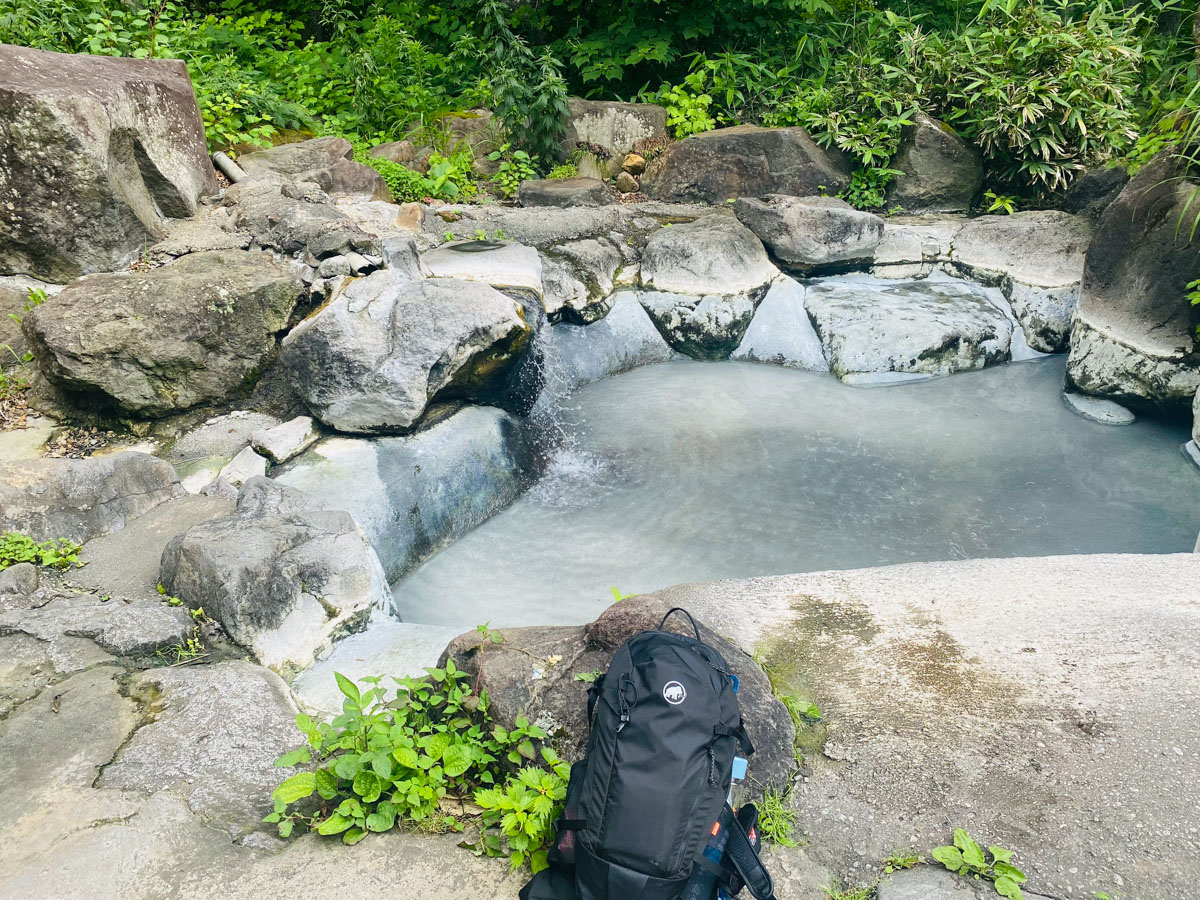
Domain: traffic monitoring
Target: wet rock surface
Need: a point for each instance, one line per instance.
(811, 232)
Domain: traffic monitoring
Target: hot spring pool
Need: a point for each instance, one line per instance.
(690, 471)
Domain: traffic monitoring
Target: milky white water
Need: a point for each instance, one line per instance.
(689, 471)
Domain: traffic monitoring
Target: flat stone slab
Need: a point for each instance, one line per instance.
(27, 442)
(929, 327)
(216, 734)
(134, 628)
(1047, 705)
(505, 265)
(1105, 412)
(127, 563)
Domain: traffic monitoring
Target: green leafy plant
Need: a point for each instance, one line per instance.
(618, 596)
(589, 677)
(776, 821)
(966, 857)
(413, 757)
(515, 166)
(899, 860)
(868, 187)
(1000, 203)
(186, 651)
(687, 105)
(523, 811)
(565, 170)
(836, 891)
(16, 547)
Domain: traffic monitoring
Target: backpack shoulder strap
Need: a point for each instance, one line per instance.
(742, 855)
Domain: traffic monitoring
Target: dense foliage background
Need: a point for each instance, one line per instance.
(1044, 87)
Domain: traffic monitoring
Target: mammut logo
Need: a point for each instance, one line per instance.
(674, 693)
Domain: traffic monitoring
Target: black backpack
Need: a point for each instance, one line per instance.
(645, 802)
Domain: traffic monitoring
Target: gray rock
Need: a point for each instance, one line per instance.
(284, 575)
(151, 343)
(929, 883)
(1133, 336)
(940, 171)
(745, 161)
(122, 627)
(616, 128)
(1037, 259)
(281, 443)
(1196, 417)
(196, 235)
(414, 494)
(214, 739)
(512, 268)
(400, 152)
(924, 327)
(713, 255)
(626, 183)
(400, 254)
(246, 465)
(781, 332)
(564, 192)
(12, 309)
(520, 679)
(19, 578)
(200, 454)
(624, 339)
(578, 279)
(703, 327)
(811, 232)
(1099, 410)
(911, 247)
(477, 129)
(295, 218)
(1094, 191)
(326, 161)
(103, 149)
(374, 358)
(81, 499)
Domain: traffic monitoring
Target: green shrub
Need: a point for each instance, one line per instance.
(515, 166)
(566, 170)
(409, 757)
(19, 548)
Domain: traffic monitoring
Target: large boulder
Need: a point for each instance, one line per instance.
(745, 161)
(81, 499)
(578, 278)
(1133, 337)
(919, 327)
(533, 672)
(151, 343)
(283, 575)
(607, 130)
(939, 171)
(564, 192)
(1094, 191)
(1037, 260)
(95, 152)
(414, 494)
(704, 280)
(326, 161)
(374, 357)
(809, 233)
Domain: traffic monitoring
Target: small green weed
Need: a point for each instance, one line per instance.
(966, 857)
(619, 596)
(589, 677)
(868, 187)
(835, 891)
(776, 822)
(515, 166)
(566, 170)
(56, 554)
(186, 651)
(1000, 203)
(901, 859)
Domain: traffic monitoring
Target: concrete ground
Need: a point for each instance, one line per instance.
(1047, 705)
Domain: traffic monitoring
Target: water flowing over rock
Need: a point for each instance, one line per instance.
(940, 172)
(283, 575)
(745, 161)
(413, 494)
(578, 280)
(924, 327)
(624, 339)
(781, 332)
(1133, 337)
(95, 152)
(522, 676)
(564, 192)
(811, 232)
(1037, 260)
(374, 357)
(611, 127)
(150, 343)
(81, 499)
(327, 161)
